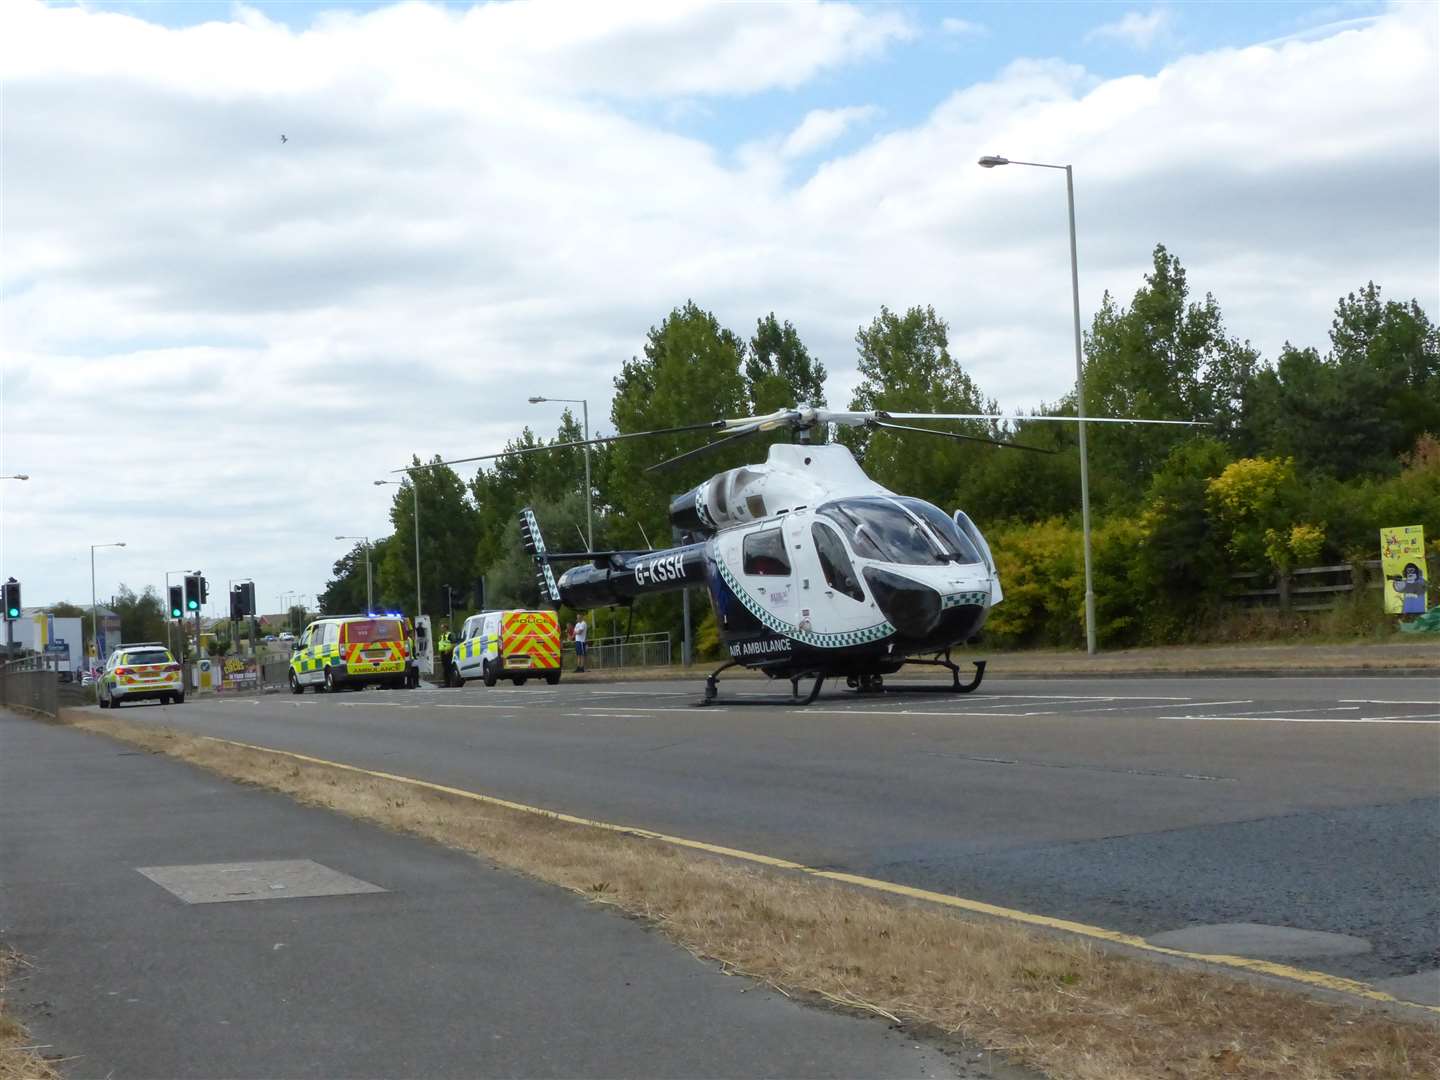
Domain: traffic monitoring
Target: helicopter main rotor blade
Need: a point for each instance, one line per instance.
(957, 435)
(734, 436)
(885, 415)
(713, 425)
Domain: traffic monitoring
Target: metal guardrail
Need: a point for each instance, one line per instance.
(29, 684)
(637, 650)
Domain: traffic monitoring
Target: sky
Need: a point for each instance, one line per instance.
(214, 342)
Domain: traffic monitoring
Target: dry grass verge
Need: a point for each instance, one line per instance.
(1057, 1004)
(20, 1058)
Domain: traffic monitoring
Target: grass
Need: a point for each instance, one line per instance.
(1057, 1004)
(20, 1058)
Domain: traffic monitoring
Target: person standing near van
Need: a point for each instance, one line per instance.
(582, 631)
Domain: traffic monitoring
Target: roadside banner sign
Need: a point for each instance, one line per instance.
(240, 673)
(1402, 561)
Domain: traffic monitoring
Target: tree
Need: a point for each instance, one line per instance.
(142, 618)
(1162, 358)
(690, 372)
(779, 370)
(448, 535)
(297, 618)
(345, 592)
(905, 365)
(1367, 401)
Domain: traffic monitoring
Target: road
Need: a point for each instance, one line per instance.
(1138, 805)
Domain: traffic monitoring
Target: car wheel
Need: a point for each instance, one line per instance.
(488, 673)
(553, 678)
(179, 699)
(330, 680)
(102, 700)
(518, 680)
(295, 687)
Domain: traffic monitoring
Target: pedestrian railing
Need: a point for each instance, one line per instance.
(29, 684)
(637, 650)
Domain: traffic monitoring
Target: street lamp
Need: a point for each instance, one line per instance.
(94, 607)
(585, 409)
(16, 476)
(415, 491)
(369, 594)
(990, 161)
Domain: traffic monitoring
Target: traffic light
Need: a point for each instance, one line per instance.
(177, 602)
(237, 602)
(479, 594)
(204, 589)
(192, 592)
(247, 598)
(12, 600)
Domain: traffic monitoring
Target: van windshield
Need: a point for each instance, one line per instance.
(364, 631)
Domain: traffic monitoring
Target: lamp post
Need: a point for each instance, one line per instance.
(369, 593)
(94, 607)
(415, 491)
(585, 411)
(16, 476)
(990, 161)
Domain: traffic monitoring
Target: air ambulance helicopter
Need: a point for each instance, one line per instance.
(814, 570)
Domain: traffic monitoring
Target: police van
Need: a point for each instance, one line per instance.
(512, 645)
(355, 651)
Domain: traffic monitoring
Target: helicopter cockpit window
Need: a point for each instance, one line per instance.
(764, 554)
(835, 562)
(962, 548)
(882, 529)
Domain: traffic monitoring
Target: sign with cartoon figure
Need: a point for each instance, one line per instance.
(1402, 561)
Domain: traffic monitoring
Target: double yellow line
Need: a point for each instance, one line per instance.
(1316, 979)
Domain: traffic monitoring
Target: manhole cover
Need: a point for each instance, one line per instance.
(281, 879)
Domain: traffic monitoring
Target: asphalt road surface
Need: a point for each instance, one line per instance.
(1135, 804)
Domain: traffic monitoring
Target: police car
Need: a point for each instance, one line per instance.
(142, 672)
(354, 651)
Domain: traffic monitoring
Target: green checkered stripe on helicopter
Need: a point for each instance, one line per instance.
(863, 636)
(963, 599)
(315, 659)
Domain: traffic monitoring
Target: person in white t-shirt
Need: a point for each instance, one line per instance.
(582, 631)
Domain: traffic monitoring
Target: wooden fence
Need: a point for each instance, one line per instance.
(1309, 588)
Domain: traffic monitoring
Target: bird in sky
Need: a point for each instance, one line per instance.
(283, 139)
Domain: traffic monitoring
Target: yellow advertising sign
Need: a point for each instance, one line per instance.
(1402, 561)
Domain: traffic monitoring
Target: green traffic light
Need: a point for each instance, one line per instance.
(14, 612)
(194, 605)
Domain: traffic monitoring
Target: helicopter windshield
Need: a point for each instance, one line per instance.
(890, 530)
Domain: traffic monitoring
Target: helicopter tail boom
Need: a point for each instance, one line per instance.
(621, 578)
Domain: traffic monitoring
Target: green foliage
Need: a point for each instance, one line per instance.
(905, 366)
(779, 370)
(1162, 358)
(449, 532)
(142, 617)
(690, 373)
(1042, 570)
(296, 619)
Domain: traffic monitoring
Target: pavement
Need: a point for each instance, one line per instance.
(1146, 806)
(184, 926)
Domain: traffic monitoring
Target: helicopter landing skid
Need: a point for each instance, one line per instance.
(712, 690)
(955, 688)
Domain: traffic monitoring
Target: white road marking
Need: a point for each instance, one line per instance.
(1315, 719)
(1385, 701)
(1162, 705)
(1262, 712)
(647, 693)
(910, 712)
(641, 709)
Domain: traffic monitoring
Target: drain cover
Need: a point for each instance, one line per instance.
(1259, 940)
(282, 879)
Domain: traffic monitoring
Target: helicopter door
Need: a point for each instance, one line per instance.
(767, 569)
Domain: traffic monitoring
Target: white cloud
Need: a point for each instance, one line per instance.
(1135, 29)
(820, 127)
(199, 322)
(961, 27)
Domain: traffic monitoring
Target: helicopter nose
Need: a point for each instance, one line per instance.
(911, 607)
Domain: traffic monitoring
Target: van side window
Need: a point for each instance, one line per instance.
(835, 562)
(764, 554)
